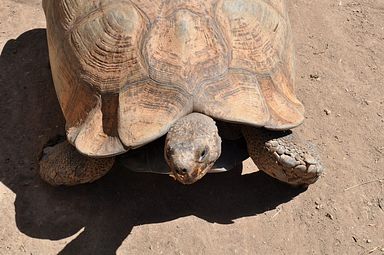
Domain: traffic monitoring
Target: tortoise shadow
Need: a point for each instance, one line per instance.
(108, 209)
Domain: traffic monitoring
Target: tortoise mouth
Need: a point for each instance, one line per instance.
(192, 176)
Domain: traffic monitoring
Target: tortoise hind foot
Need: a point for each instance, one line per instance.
(284, 156)
(62, 164)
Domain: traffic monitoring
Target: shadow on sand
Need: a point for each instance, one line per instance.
(110, 208)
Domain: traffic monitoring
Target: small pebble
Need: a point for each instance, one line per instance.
(314, 77)
(369, 241)
(330, 216)
(327, 111)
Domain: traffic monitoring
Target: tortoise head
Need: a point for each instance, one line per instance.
(191, 148)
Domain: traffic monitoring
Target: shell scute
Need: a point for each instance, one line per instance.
(256, 33)
(107, 48)
(186, 49)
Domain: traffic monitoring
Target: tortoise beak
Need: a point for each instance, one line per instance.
(189, 176)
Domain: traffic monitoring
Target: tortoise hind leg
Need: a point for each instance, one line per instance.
(283, 155)
(62, 164)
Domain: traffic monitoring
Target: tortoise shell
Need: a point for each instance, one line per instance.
(125, 71)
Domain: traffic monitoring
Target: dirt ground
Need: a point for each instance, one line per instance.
(340, 79)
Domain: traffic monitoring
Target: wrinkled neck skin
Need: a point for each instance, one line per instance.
(191, 147)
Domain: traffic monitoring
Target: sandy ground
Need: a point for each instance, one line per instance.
(340, 79)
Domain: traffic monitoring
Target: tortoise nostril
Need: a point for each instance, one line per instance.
(182, 171)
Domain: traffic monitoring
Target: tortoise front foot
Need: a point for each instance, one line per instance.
(62, 164)
(284, 156)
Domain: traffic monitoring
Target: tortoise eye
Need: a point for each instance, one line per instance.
(203, 153)
(169, 152)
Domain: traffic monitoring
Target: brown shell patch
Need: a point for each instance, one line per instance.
(185, 49)
(200, 7)
(285, 110)
(147, 110)
(107, 47)
(279, 5)
(150, 8)
(256, 32)
(235, 98)
(70, 89)
(63, 14)
(90, 138)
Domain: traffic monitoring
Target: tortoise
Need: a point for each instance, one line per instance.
(127, 73)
